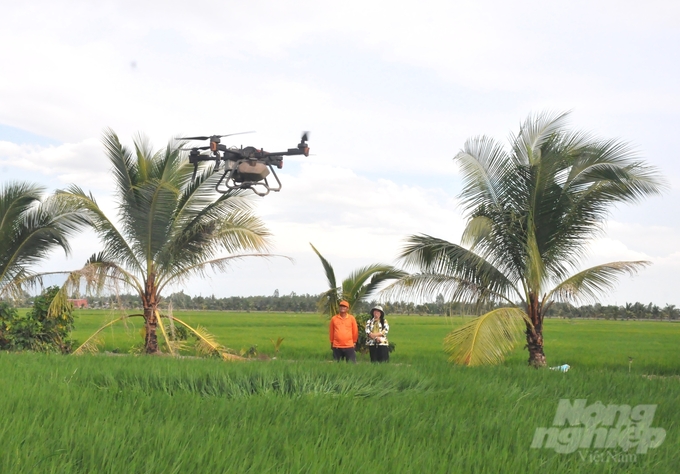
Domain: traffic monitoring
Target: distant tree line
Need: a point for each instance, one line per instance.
(306, 303)
(292, 303)
(636, 310)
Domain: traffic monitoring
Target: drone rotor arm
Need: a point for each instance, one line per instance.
(197, 157)
(196, 148)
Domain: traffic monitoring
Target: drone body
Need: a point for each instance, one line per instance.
(244, 168)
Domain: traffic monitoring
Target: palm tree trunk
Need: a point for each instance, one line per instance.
(150, 325)
(535, 333)
(150, 321)
(535, 345)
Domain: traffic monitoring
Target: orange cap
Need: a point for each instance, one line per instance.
(343, 303)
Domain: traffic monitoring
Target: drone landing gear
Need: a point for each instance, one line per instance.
(248, 174)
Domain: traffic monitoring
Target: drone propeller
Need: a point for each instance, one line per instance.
(303, 144)
(217, 136)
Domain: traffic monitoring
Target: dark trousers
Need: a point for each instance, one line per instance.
(379, 353)
(346, 353)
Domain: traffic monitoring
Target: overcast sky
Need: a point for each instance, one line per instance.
(389, 91)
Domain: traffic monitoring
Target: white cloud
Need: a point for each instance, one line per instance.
(606, 250)
(83, 163)
(351, 215)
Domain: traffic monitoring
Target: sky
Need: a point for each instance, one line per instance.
(389, 91)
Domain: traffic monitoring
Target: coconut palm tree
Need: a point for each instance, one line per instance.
(358, 286)
(170, 228)
(31, 226)
(531, 211)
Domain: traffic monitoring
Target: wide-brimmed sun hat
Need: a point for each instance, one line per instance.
(379, 308)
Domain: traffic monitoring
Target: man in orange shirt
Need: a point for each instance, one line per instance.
(344, 334)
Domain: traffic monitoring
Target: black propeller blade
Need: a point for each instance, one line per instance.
(218, 136)
(193, 138)
(305, 136)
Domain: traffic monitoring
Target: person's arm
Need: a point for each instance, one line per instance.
(386, 329)
(355, 330)
(331, 331)
(369, 327)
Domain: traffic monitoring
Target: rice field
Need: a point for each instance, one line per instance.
(299, 412)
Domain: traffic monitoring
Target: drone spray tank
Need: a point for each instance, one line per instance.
(249, 168)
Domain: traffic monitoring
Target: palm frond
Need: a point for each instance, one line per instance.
(478, 228)
(594, 176)
(60, 304)
(14, 282)
(487, 339)
(91, 346)
(30, 227)
(484, 164)
(102, 272)
(168, 342)
(424, 285)
(361, 283)
(122, 161)
(223, 228)
(242, 231)
(432, 256)
(589, 284)
(207, 343)
(28, 280)
(328, 268)
(116, 247)
(99, 273)
(534, 132)
(90, 342)
(378, 279)
(147, 193)
(329, 301)
(176, 346)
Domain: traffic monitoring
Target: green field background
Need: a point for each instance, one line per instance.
(300, 412)
(654, 346)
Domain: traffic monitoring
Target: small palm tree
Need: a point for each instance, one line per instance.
(358, 286)
(31, 226)
(170, 228)
(531, 212)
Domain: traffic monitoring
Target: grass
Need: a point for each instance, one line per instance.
(302, 413)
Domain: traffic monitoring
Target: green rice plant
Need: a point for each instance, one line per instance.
(81, 414)
(419, 338)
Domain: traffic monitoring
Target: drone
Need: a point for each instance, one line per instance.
(244, 168)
